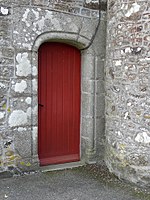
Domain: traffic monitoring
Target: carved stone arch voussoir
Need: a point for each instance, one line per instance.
(69, 38)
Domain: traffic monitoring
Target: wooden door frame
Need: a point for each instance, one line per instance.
(88, 113)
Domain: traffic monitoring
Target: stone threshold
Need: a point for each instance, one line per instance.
(61, 166)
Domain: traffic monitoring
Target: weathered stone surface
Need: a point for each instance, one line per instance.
(6, 174)
(87, 68)
(23, 141)
(80, 7)
(100, 105)
(4, 11)
(13, 2)
(40, 2)
(4, 85)
(35, 21)
(24, 26)
(128, 91)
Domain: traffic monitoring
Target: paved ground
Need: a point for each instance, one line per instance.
(82, 183)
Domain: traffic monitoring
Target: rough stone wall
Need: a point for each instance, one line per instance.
(24, 25)
(86, 8)
(128, 90)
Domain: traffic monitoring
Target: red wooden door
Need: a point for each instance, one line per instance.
(59, 103)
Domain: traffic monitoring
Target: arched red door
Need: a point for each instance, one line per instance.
(59, 74)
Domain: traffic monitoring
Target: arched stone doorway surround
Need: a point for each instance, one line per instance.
(26, 26)
(87, 118)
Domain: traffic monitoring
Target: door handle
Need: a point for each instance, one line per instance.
(41, 105)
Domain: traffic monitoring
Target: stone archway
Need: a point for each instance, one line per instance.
(88, 143)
